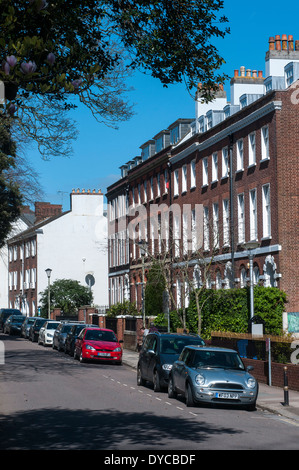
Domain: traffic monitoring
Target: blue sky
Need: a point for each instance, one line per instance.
(99, 150)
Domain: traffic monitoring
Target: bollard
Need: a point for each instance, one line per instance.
(286, 388)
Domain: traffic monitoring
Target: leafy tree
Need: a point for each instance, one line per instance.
(66, 294)
(66, 48)
(155, 286)
(10, 196)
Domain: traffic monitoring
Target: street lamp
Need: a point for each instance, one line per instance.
(48, 272)
(251, 246)
(143, 245)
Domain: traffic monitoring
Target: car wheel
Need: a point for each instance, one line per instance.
(157, 385)
(171, 390)
(81, 358)
(251, 407)
(189, 395)
(140, 379)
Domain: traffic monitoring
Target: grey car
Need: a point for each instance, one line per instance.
(212, 375)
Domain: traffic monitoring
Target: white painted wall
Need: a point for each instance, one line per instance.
(75, 245)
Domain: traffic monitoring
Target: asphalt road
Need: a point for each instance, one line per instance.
(49, 401)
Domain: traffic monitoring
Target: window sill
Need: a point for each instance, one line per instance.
(266, 159)
(252, 165)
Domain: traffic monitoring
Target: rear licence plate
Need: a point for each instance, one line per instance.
(104, 354)
(230, 396)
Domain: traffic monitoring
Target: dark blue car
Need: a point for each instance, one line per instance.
(157, 355)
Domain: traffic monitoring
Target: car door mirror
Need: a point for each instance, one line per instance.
(151, 352)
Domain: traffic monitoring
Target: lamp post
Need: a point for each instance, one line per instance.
(143, 248)
(251, 247)
(48, 272)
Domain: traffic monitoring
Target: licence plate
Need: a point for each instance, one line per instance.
(230, 396)
(104, 354)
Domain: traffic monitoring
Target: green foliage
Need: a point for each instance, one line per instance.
(122, 308)
(154, 289)
(228, 310)
(66, 294)
(68, 46)
(10, 196)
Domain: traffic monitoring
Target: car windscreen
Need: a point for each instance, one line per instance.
(52, 326)
(99, 335)
(66, 329)
(214, 359)
(40, 322)
(17, 319)
(176, 345)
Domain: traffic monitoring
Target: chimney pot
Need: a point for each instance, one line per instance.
(254, 74)
(242, 71)
(248, 73)
(236, 73)
(271, 43)
(277, 42)
(260, 74)
(284, 42)
(297, 45)
(291, 43)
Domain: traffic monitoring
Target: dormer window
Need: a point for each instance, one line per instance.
(289, 75)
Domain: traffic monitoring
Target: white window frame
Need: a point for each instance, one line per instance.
(241, 218)
(206, 228)
(176, 183)
(266, 210)
(184, 178)
(215, 225)
(265, 143)
(225, 162)
(214, 167)
(205, 175)
(253, 214)
(193, 174)
(240, 155)
(225, 217)
(251, 149)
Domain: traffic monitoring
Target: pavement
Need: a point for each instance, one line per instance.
(270, 399)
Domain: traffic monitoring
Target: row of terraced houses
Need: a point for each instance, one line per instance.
(239, 161)
(225, 177)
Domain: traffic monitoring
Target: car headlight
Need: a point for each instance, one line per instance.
(89, 347)
(199, 379)
(117, 350)
(167, 366)
(251, 382)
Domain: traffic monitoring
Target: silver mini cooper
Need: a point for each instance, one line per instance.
(212, 375)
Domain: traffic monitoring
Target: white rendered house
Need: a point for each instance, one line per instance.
(72, 244)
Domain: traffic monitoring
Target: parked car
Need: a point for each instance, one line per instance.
(212, 375)
(72, 335)
(35, 327)
(158, 353)
(60, 335)
(26, 326)
(13, 324)
(98, 344)
(46, 333)
(5, 313)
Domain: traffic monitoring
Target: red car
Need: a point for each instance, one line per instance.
(98, 343)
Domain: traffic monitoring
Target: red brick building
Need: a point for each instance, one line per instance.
(238, 161)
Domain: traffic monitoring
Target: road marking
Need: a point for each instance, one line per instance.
(179, 408)
(167, 403)
(157, 398)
